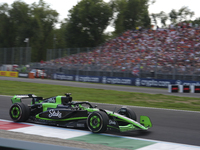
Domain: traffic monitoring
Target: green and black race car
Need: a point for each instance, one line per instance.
(62, 111)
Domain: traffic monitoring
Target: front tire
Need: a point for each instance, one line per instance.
(19, 112)
(128, 112)
(97, 122)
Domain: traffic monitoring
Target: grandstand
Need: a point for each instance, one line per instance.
(171, 53)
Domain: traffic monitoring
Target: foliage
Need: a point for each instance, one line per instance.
(162, 16)
(130, 14)
(196, 21)
(84, 27)
(182, 15)
(43, 25)
(21, 21)
(59, 36)
(7, 32)
(87, 22)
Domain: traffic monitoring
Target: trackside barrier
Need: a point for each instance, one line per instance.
(37, 74)
(9, 73)
(184, 88)
(42, 76)
(173, 88)
(195, 89)
(31, 75)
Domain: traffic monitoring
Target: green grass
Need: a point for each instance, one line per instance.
(101, 96)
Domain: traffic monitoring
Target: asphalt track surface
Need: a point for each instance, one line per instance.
(168, 125)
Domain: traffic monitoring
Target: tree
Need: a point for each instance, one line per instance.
(60, 36)
(87, 22)
(20, 16)
(184, 13)
(196, 21)
(21, 21)
(155, 18)
(173, 16)
(162, 16)
(131, 14)
(181, 15)
(43, 22)
(7, 30)
(119, 6)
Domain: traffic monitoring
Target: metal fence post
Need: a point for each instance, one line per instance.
(193, 64)
(47, 55)
(4, 55)
(88, 53)
(78, 51)
(174, 67)
(20, 55)
(156, 69)
(59, 53)
(12, 55)
(1, 56)
(112, 62)
(26, 53)
(29, 54)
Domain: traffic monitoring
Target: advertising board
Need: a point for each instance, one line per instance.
(163, 83)
(9, 73)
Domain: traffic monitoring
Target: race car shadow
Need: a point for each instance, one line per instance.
(135, 133)
(138, 133)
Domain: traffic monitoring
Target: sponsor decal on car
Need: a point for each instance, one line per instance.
(112, 122)
(80, 125)
(52, 100)
(53, 113)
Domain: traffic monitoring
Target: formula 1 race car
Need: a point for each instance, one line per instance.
(61, 111)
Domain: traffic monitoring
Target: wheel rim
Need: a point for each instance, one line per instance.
(15, 112)
(95, 122)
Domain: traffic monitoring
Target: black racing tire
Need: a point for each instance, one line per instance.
(128, 112)
(97, 121)
(19, 112)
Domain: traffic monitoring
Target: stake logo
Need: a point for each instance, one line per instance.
(112, 122)
(53, 113)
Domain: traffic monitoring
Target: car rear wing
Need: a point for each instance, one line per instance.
(17, 98)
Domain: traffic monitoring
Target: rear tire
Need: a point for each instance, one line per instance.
(19, 112)
(97, 122)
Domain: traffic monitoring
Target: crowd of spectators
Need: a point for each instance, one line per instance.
(167, 50)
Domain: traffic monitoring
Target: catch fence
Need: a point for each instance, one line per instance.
(15, 55)
(102, 61)
(112, 62)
